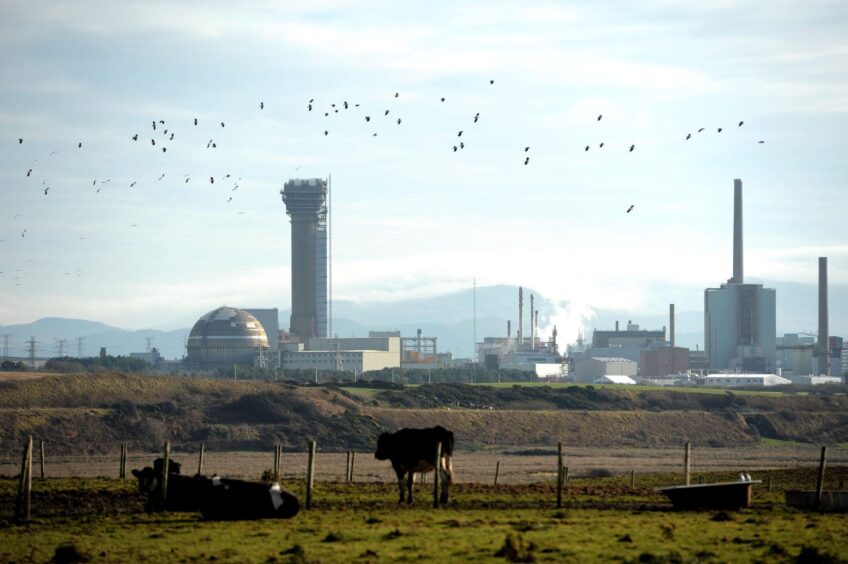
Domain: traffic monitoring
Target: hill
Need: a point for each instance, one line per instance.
(93, 413)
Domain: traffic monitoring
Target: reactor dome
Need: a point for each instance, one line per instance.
(224, 337)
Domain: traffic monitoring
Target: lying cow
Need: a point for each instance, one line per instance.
(414, 450)
(215, 497)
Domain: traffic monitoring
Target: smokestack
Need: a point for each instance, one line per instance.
(532, 322)
(824, 359)
(509, 329)
(616, 325)
(738, 274)
(671, 324)
(535, 326)
(520, 316)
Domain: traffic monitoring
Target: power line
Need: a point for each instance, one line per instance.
(60, 345)
(79, 347)
(6, 345)
(33, 345)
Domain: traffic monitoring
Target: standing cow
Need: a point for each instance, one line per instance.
(414, 450)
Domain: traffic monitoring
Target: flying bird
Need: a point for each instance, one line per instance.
(718, 130)
(601, 145)
(135, 137)
(222, 124)
(700, 130)
(461, 145)
(443, 99)
(459, 134)
(326, 114)
(161, 177)
(195, 121)
(476, 117)
(587, 148)
(491, 82)
(600, 116)
(46, 190)
(630, 209)
(29, 172)
(309, 106)
(526, 149)
(387, 113)
(740, 123)
(79, 145)
(162, 121)
(187, 179)
(164, 149)
(133, 184)
(261, 105)
(209, 144)
(374, 135)
(311, 100)
(345, 104)
(367, 118)
(230, 200)
(172, 137)
(326, 132)
(211, 180)
(398, 121)
(397, 94)
(52, 153)
(154, 125)
(527, 160)
(454, 148)
(688, 136)
(20, 140)
(153, 141)
(632, 147)
(760, 141)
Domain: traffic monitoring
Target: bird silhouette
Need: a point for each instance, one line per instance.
(154, 125)
(332, 105)
(527, 160)
(261, 105)
(760, 141)
(153, 141)
(459, 134)
(601, 145)
(326, 132)
(688, 136)
(135, 137)
(161, 177)
(172, 137)
(740, 123)
(20, 140)
(398, 121)
(630, 209)
(397, 94)
(222, 124)
(461, 145)
(230, 199)
(455, 148)
(491, 82)
(164, 149)
(209, 144)
(309, 107)
(387, 113)
(187, 179)
(476, 117)
(700, 130)
(632, 147)
(311, 100)
(133, 184)
(23, 232)
(326, 114)
(165, 132)
(600, 116)
(374, 135)
(46, 190)
(526, 149)
(195, 121)
(718, 130)
(211, 180)
(587, 148)
(214, 145)
(367, 118)
(443, 99)
(79, 145)
(162, 121)
(29, 172)
(345, 104)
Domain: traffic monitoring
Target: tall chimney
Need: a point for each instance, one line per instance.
(616, 325)
(520, 316)
(508, 328)
(535, 325)
(532, 322)
(671, 324)
(738, 273)
(824, 359)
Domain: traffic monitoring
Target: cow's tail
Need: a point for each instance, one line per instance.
(447, 464)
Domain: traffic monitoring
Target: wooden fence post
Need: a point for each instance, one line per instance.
(436, 476)
(347, 468)
(633, 478)
(22, 507)
(166, 456)
(497, 471)
(687, 462)
(352, 460)
(310, 474)
(41, 459)
(820, 482)
(200, 459)
(559, 475)
(122, 462)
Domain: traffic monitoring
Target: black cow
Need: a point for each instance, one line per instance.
(414, 450)
(215, 498)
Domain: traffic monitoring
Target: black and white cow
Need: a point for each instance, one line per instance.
(414, 450)
(215, 498)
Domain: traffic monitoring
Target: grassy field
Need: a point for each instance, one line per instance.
(603, 520)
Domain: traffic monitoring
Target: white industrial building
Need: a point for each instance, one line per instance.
(742, 380)
(592, 369)
(357, 354)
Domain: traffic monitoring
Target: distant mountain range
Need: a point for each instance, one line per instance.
(449, 317)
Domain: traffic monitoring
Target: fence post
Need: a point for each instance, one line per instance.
(41, 459)
(687, 462)
(166, 455)
(497, 471)
(559, 475)
(820, 482)
(310, 474)
(122, 464)
(200, 459)
(565, 476)
(633, 478)
(436, 476)
(352, 460)
(28, 482)
(347, 468)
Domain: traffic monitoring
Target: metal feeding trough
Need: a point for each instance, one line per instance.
(722, 495)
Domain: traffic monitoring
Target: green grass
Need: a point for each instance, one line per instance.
(603, 520)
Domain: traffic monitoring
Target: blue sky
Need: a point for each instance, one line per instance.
(411, 216)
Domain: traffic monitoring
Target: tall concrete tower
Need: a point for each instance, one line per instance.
(738, 273)
(823, 339)
(306, 204)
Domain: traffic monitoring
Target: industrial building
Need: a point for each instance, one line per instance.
(663, 361)
(226, 337)
(306, 204)
(592, 369)
(742, 380)
(740, 319)
(269, 318)
(355, 354)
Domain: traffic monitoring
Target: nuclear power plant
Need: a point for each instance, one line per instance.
(740, 319)
(306, 204)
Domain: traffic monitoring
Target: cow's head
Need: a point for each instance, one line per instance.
(148, 479)
(384, 446)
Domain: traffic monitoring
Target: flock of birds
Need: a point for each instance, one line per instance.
(163, 134)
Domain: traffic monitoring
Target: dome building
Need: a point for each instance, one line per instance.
(225, 337)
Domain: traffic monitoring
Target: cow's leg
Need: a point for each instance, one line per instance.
(400, 485)
(409, 481)
(444, 471)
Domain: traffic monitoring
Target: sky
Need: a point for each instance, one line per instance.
(116, 241)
